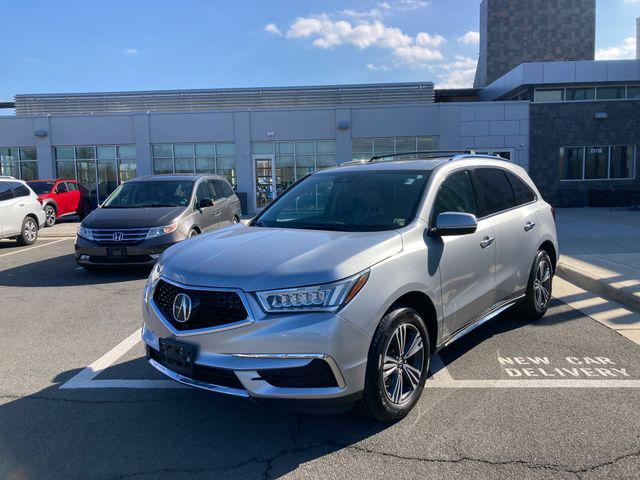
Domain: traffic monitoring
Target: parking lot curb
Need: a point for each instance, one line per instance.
(599, 286)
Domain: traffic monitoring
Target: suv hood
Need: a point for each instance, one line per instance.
(257, 258)
(132, 217)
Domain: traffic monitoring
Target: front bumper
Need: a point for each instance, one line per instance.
(269, 344)
(144, 253)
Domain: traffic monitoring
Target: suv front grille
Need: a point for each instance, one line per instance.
(210, 308)
(113, 236)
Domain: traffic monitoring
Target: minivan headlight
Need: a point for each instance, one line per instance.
(157, 231)
(85, 233)
(327, 297)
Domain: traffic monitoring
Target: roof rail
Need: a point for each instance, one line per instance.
(424, 154)
(7, 177)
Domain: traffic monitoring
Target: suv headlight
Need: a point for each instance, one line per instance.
(157, 231)
(328, 297)
(154, 276)
(85, 233)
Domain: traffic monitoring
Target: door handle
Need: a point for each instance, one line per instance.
(486, 241)
(529, 226)
(21, 205)
(216, 212)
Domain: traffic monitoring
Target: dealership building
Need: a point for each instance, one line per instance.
(539, 100)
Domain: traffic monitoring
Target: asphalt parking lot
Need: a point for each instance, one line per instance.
(554, 399)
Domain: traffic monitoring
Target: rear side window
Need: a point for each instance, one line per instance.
(72, 186)
(216, 189)
(226, 189)
(456, 195)
(5, 191)
(20, 190)
(494, 191)
(521, 190)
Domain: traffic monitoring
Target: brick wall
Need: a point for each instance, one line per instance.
(514, 32)
(555, 125)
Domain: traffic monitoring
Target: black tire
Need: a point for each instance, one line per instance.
(193, 233)
(376, 401)
(236, 219)
(531, 306)
(50, 212)
(29, 232)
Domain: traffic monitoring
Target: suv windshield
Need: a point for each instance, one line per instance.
(362, 201)
(150, 194)
(41, 187)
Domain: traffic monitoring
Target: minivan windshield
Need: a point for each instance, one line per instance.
(155, 193)
(41, 187)
(354, 201)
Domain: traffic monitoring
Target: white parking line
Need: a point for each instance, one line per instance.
(33, 248)
(441, 378)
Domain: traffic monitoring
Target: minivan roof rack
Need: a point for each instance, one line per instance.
(425, 154)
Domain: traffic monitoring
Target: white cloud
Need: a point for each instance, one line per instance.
(411, 4)
(619, 52)
(632, 2)
(470, 38)
(426, 40)
(326, 32)
(272, 28)
(457, 74)
(131, 51)
(380, 68)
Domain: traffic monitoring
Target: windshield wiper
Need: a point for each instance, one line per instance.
(257, 223)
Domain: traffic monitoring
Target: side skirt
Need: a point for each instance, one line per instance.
(497, 310)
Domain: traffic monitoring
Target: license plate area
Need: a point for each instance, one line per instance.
(177, 356)
(116, 252)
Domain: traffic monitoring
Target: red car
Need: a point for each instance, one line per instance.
(60, 198)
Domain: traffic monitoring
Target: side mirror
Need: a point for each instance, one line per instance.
(455, 223)
(205, 202)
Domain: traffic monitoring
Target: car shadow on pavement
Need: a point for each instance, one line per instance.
(168, 433)
(506, 322)
(62, 271)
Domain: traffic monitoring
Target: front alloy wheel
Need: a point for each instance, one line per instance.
(50, 213)
(403, 362)
(397, 365)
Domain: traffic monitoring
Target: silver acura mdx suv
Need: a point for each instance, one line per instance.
(341, 289)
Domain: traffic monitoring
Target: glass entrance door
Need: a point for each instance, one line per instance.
(265, 180)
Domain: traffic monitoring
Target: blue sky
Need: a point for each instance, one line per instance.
(84, 46)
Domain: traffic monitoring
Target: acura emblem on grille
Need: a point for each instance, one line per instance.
(181, 308)
(117, 236)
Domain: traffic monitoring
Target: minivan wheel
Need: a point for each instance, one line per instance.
(397, 366)
(193, 233)
(29, 232)
(538, 297)
(50, 213)
(236, 219)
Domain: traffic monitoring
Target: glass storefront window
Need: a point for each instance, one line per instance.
(365, 148)
(262, 148)
(622, 160)
(581, 93)
(215, 158)
(549, 95)
(596, 163)
(571, 161)
(633, 92)
(19, 162)
(98, 168)
(284, 148)
(610, 93)
(305, 148)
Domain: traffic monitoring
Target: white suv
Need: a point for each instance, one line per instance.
(21, 214)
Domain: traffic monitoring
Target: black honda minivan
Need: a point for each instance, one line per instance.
(144, 216)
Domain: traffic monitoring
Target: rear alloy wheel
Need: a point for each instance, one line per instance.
(50, 213)
(29, 232)
(538, 297)
(397, 366)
